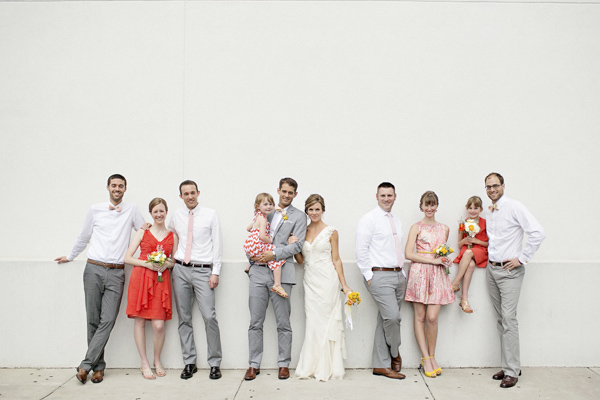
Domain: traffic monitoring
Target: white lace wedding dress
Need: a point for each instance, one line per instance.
(323, 351)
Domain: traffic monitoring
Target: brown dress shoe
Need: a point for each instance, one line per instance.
(81, 375)
(508, 381)
(284, 373)
(98, 376)
(498, 376)
(388, 373)
(397, 363)
(251, 374)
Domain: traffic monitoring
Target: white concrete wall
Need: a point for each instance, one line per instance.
(339, 95)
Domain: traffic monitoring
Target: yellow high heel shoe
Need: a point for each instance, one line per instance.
(437, 371)
(429, 374)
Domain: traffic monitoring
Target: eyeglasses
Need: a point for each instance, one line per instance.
(487, 187)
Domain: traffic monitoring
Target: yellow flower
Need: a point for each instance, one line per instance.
(451, 250)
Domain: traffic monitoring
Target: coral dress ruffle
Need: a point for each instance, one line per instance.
(147, 297)
(480, 253)
(254, 247)
(428, 283)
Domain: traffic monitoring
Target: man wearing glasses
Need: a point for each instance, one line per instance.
(507, 220)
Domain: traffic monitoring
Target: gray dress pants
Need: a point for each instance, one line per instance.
(505, 289)
(190, 282)
(388, 289)
(261, 281)
(103, 292)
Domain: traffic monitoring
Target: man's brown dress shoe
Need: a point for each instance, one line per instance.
(498, 376)
(508, 381)
(98, 376)
(389, 373)
(81, 375)
(397, 363)
(251, 373)
(284, 373)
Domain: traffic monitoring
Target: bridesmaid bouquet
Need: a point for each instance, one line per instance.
(469, 227)
(353, 299)
(158, 257)
(443, 250)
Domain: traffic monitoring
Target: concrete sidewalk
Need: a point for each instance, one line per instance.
(459, 384)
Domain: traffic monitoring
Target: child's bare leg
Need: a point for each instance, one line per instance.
(277, 277)
(467, 280)
(462, 267)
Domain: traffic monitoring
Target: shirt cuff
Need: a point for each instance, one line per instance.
(368, 275)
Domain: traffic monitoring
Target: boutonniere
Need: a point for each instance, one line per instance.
(284, 214)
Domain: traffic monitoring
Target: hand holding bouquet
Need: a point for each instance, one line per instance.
(470, 228)
(444, 251)
(352, 299)
(160, 258)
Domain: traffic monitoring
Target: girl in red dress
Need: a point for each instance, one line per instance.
(259, 240)
(469, 258)
(148, 296)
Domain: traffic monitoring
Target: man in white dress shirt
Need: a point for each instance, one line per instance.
(507, 220)
(196, 274)
(104, 277)
(380, 258)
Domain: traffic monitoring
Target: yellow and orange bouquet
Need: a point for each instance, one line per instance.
(470, 228)
(352, 299)
(444, 250)
(158, 257)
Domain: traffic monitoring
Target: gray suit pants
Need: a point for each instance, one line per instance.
(388, 289)
(187, 283)
(103, 292)
(505, 288)
(261, 280)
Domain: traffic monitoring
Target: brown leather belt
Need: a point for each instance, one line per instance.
(192, 265)
(496, 264)
(395, 269)
(106, 265)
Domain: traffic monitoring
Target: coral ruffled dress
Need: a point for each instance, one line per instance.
(480, 253)
(147, 297)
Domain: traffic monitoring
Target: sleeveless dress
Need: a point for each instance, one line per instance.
(323, 351)
(427, 283)
(253, 246)
(480, 253)
(147, 297)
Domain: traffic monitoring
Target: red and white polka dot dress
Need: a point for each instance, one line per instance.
(253, 246)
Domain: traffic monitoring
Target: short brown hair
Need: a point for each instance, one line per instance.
(312, 200)
(474, 201)
(260, 197)
(429, 198)
(156, 201)
(290, 182)
(386, 185)
(116, 176)
(500, 177)
(187, 182)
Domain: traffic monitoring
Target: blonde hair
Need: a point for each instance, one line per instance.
(429, 198)
(260, 197)
(312, 200)
(156, 201)
(474, 201)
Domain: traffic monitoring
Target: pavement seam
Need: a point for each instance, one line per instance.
(425, 382)
(594, 372)
(238, 389)
(60, 386)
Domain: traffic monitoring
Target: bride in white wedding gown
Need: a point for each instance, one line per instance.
(323, 351)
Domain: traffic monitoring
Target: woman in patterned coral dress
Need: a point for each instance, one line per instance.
(259, 241)
(148, 298)
(428, 286)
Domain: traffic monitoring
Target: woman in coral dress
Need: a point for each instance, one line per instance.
(149, 295)
(428, 285)
(469, 258)
(323, 351)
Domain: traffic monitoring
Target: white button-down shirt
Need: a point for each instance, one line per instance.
(277, 217)
(111, 232)
(375, 243)
(207, 243)
(505, 228)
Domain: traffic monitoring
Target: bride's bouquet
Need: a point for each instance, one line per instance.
(352, 299)
(443, 250)
(469, 227)
(158, 257)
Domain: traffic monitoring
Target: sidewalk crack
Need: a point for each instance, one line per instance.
(426, 384)
(59, 387)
